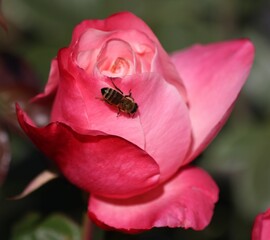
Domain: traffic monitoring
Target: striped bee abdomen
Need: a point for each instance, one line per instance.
(111, 96)
(124, 103)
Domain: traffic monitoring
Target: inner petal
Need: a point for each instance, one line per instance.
(116, 59)
(145, 56)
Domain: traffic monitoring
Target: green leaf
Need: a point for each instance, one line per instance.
(55, 227)
(23, 229)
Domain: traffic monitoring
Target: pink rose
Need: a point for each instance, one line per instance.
(261, 227)
(135, 165)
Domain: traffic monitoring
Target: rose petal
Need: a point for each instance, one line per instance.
(118, 21)
(5, 155)
(127, 21)
(78, 104)
(185, 201)
(131, 45)
(261, 227)
(102, 164)
(213, 76)
(164, 119)
(116, 59)
(168, 138)
(51, 86)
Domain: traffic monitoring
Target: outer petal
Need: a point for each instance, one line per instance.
(52, 85)
(165, 122)
(261, 227)
(102, 164)
(213, 76)
(186, 201)
(118, 21)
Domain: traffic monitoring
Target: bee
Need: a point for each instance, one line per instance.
(115, 97)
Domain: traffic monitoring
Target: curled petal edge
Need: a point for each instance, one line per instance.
(102, 164)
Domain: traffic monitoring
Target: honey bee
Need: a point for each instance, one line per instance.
(115, 97)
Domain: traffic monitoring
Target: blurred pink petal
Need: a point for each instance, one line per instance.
(36, 183)
(261, 227)
(5, 155)
(213, 76)
(18, 83)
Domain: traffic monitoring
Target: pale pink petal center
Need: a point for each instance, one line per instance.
(116, 59)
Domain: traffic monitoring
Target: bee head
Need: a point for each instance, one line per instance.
(104, 91)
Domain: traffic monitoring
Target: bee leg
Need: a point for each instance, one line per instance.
(103, 100)
(129, 95)
(118, 113)
(100, 98)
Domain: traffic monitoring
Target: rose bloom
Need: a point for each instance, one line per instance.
(261, 227)
(135, 166)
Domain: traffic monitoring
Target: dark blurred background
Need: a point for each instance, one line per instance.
(238, 159)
